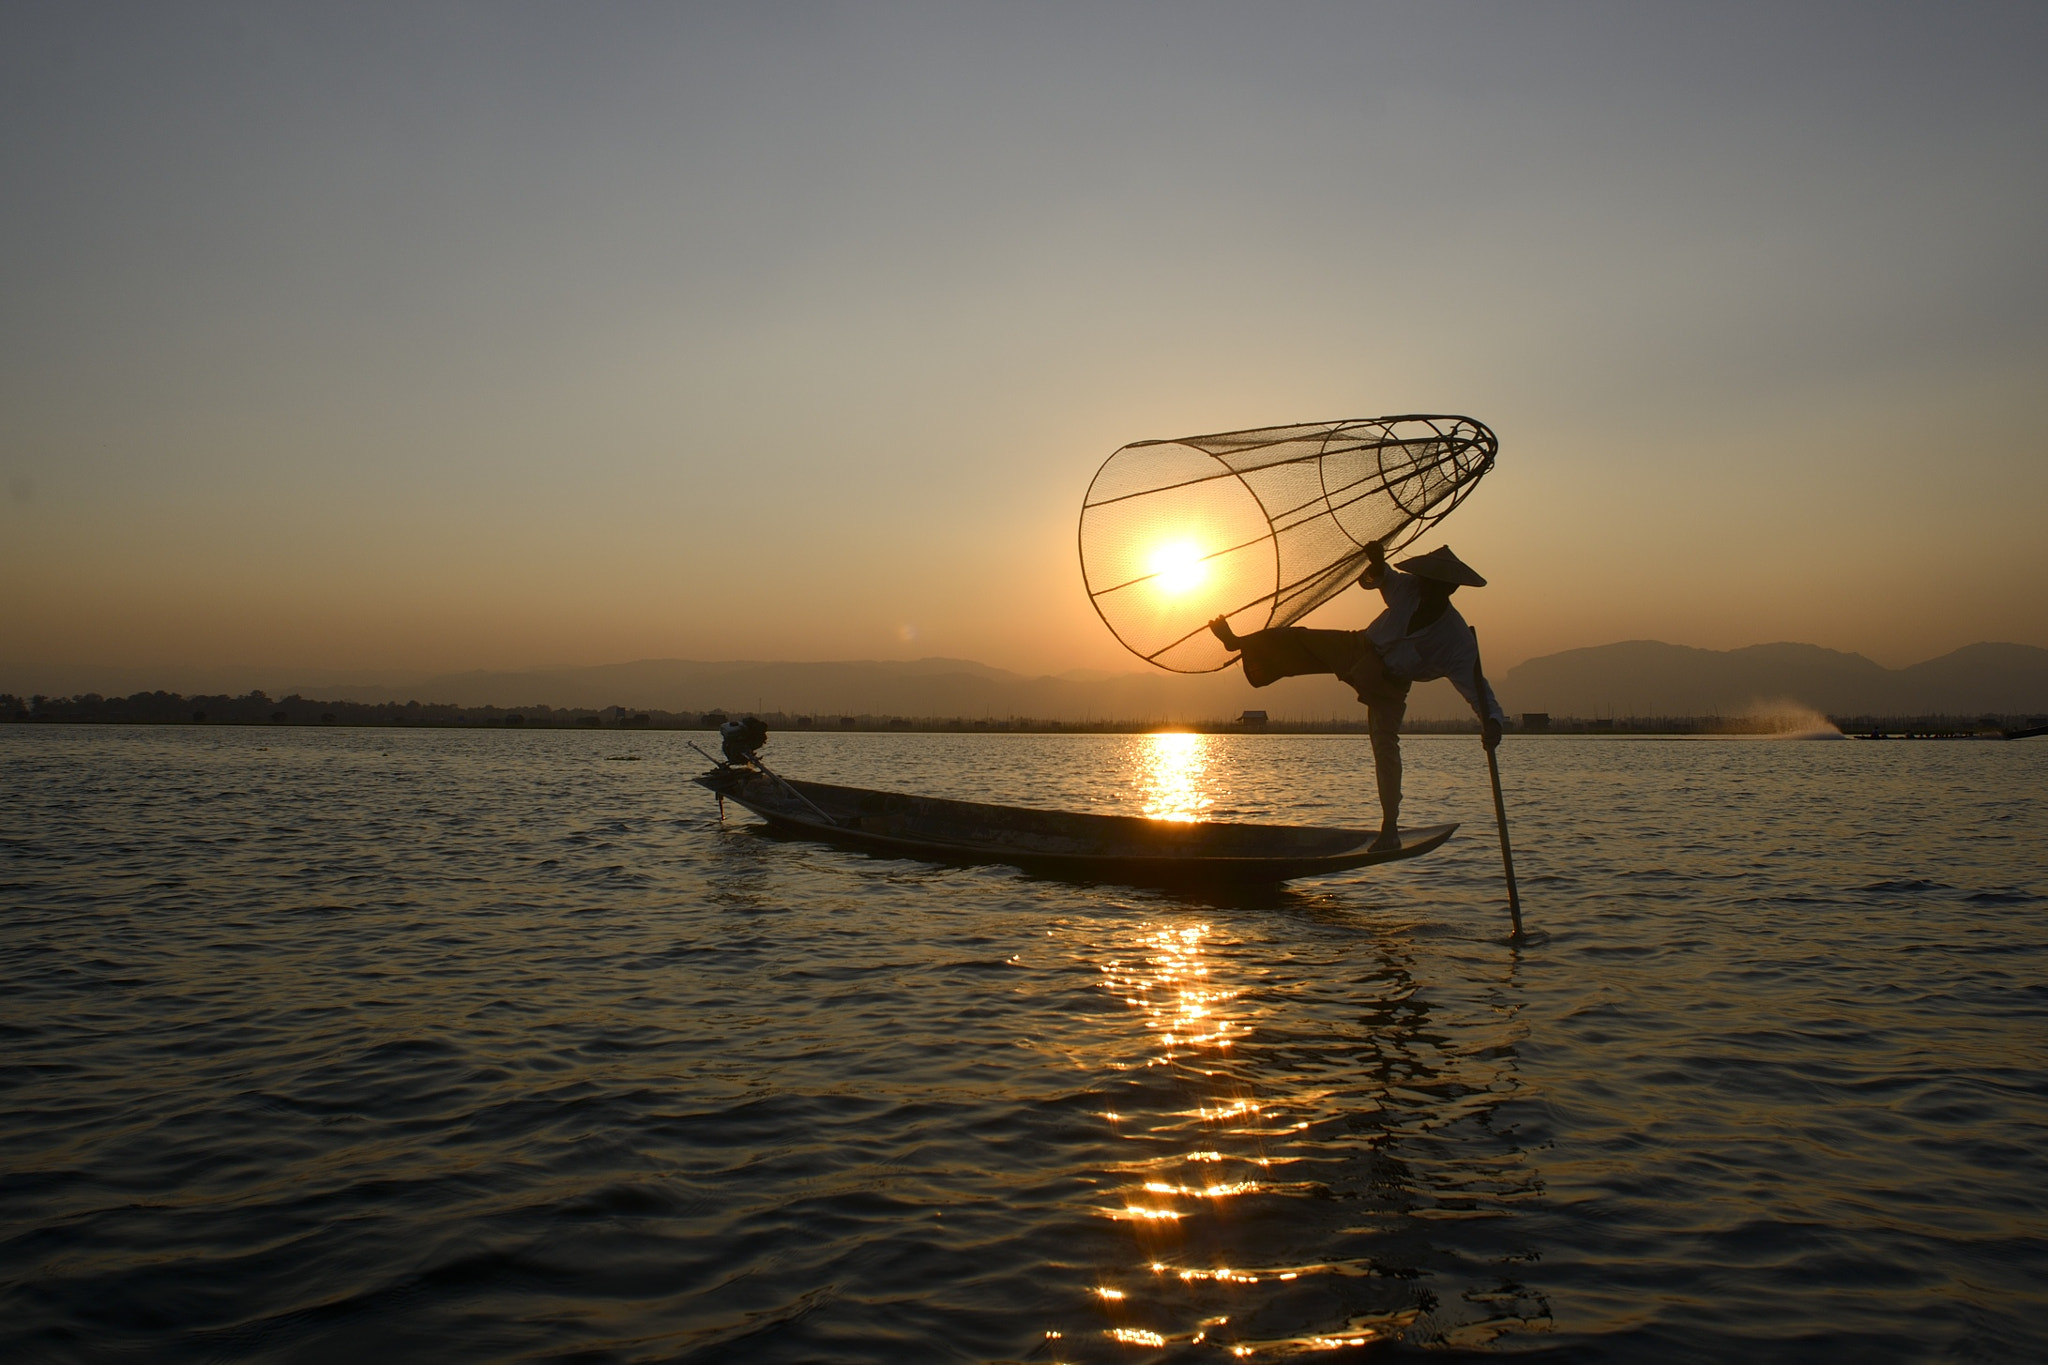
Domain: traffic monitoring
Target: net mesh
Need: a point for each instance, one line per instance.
(1260, 526)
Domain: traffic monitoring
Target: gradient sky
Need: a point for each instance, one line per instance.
(382, 340)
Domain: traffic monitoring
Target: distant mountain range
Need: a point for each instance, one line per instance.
(1649, 678)
(1638, 677)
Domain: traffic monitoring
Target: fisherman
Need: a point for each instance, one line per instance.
(1418, 637)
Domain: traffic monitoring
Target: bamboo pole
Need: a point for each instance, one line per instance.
(1500, 807)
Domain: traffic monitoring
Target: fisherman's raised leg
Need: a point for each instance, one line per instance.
(1289, 651)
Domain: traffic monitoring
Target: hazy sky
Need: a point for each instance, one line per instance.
(391, 339)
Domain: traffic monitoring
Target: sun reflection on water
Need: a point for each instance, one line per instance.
(1206, 1147)
(1173, 775)
(1231, 1121)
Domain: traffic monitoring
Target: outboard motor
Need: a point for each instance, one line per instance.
(740, 739)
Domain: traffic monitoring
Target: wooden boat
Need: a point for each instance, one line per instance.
(1107, 847)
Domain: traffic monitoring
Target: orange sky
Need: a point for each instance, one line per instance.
(348, 344)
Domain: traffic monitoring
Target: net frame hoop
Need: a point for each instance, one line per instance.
(1087, 506)
(1464, 434)
(1481, 436)
(1287, 518)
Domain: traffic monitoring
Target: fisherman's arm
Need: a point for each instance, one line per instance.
(1465, 675)
(1398, 590)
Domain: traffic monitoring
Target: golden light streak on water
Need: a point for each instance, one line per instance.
(1210, 1133)
(1200, 1191)
(1139, 1212)
(1190, 1017)
(1173, 777)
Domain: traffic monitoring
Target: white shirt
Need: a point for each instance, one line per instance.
(1445, 648)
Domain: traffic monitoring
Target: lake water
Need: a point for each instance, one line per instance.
(434, 1045)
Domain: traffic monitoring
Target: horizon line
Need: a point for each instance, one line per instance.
(421, 676)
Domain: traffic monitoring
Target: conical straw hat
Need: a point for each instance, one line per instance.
(1443, 566)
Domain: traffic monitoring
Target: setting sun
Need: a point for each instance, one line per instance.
(1179, 566)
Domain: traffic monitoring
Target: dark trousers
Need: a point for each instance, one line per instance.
(1292, 651)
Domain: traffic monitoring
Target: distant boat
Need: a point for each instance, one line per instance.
(1121, 848)
(2028, 732)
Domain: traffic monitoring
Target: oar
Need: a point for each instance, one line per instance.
(755, 759)
(1500, 807)
(786, 786)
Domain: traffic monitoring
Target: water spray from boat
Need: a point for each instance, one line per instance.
(1786, 719)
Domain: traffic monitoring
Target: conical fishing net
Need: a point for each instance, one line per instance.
(1260, 526)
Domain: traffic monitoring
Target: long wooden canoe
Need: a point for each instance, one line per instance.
(1110, 847)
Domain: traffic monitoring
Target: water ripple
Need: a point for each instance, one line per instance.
(482, 1046)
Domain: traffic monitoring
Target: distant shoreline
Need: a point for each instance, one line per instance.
(257, 711)
(1652, 684)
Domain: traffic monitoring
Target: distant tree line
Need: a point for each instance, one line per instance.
(255, 708)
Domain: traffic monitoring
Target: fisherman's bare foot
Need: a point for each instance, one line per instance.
(1390, 838)
(1220, 627)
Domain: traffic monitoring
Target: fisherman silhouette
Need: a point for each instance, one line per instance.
(1419, 636)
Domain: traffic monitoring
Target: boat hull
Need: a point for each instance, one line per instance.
(1066, 843)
